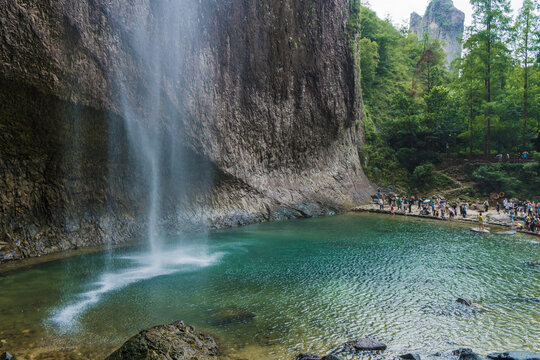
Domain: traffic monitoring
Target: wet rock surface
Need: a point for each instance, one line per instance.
(466, 354)
(267, 105)
(175, 341)
(514, 355)
(364, 344)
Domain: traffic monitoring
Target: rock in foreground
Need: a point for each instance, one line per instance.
(410, 356)
(365, 344)
(514, 355)
(175, 341)
(466, 354)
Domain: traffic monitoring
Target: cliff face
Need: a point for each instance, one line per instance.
(264, 105)
(442, 21)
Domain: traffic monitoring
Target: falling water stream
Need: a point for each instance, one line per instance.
(154, 132)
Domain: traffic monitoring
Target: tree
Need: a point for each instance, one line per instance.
(431, 67)
(470, 88)
(526, 30)
(486, 42)
(369, 60)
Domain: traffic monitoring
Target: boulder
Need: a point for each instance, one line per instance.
(175, 341)
(466, 354)
(231, 315)
(410, 356)
(514, 355)
(365, 344)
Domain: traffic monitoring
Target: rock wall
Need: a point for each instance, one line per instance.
(442, 21)
(266, 108)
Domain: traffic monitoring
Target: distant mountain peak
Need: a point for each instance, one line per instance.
(443, 21)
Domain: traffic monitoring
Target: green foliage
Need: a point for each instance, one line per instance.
(424, 176)
(515, 180)
(416, 110)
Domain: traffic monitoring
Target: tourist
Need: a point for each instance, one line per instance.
(381, 204)
(481, 220)
(486, 206)
(512, 214)
(379, 194)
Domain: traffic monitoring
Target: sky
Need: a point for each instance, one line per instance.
(400, 10)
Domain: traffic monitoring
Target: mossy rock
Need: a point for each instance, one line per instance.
(175, 341)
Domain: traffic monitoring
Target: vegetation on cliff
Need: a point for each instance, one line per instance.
(417, 112)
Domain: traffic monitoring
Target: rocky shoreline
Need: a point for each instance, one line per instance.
(178, 341)
(492, 218)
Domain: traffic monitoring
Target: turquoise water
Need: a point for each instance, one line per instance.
(312, 285)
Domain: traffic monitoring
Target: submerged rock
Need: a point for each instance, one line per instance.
(525, 300)
(464, 301)
(514, 355)
(307, 356)
(175, 341)
(365, 344)
(231, 315)
(6, 356)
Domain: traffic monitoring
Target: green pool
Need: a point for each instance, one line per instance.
(311, 284)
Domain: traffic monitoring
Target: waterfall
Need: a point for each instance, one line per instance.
(157, 32)
(153, 126)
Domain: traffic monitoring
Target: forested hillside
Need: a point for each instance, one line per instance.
(419, 112)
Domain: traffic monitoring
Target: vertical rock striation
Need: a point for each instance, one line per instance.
(266, 106)
(442, 21)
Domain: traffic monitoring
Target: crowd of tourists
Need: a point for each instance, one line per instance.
(523, 214)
